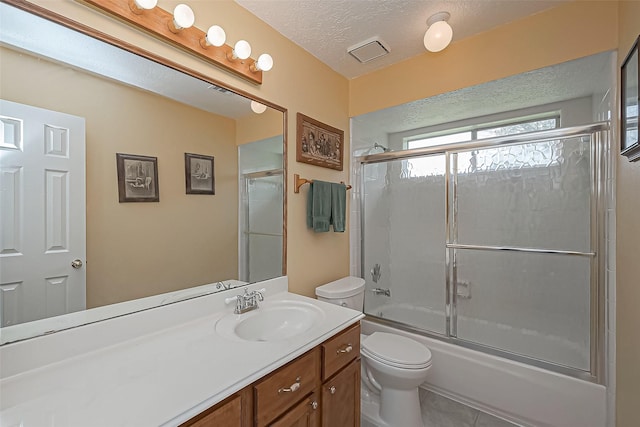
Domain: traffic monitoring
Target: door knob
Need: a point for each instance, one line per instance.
(76, 263)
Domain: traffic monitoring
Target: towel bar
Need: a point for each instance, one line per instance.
(299, 182)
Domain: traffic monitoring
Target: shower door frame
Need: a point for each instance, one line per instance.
(243, 247)
(598, 133)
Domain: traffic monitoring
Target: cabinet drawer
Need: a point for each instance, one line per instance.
(284, 388)
(304, 414)
(338, 351)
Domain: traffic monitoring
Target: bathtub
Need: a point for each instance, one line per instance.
(549, 347)
(520, 393)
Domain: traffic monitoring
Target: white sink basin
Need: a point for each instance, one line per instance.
(272, 321)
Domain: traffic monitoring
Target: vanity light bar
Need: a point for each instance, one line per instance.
(160, 24)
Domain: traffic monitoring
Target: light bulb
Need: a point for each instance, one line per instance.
(146, 4)
(264, 62)
(183, 17)
(215, 36)
(257, 107)
(242, 49)
(139, 6)
(438, 36)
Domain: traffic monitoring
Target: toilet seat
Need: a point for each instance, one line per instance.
(396, 350)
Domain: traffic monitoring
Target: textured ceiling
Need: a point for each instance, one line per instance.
(327, 28)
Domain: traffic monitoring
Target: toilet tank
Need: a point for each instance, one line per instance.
(347, 292)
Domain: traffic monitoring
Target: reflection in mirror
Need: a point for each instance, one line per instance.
(92, 100)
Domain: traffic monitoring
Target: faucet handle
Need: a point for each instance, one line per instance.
(260, 294)
(231, 299)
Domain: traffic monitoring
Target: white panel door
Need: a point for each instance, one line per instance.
(42, 213)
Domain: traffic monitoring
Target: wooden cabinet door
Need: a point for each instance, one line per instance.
(304, 414)
(341, 398)
(235, 411)
(228, 415)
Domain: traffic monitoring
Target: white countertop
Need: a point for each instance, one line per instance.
(13, 333)
(162, 377)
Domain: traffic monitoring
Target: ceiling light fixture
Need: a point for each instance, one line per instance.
(178, 29)
(257, 107)
(183, 17)
(439, 32)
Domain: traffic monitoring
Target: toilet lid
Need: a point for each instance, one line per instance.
(396, 350)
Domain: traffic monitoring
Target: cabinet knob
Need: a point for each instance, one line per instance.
(332, 390)
(314, 405)
(293, 387)
(346, 349)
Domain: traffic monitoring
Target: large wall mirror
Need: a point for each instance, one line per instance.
(70, 103)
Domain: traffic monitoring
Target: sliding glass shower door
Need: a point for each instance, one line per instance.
(521, 247)
(492, 245)
(261, 249)
(404, 228)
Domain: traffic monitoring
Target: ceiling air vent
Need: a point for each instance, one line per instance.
(368, 50)
(219, 89)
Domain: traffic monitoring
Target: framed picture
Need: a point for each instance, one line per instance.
(198, 172)
(319, 144)
(137, 178)
(629, 145)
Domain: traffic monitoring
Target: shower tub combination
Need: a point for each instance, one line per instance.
(491, 253)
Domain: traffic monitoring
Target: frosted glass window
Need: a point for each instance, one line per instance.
(440, 140)
(517, 128)
(542, 154)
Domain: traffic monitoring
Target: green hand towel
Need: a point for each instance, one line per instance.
(319, 206)
(338, 206)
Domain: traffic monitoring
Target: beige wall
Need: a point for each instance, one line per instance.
(628, 249)
(561, 34)
(256, 127)
(140, 249)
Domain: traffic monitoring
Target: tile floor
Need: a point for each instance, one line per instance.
(438, 411)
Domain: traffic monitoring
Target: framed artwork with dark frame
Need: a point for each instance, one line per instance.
(198, 170)
(629, 144)
(319, 144)
(137, 178)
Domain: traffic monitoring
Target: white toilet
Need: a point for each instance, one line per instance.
(393, 366)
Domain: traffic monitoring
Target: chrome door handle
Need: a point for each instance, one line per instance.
(292, 388)
(347, 349)
(76, 263)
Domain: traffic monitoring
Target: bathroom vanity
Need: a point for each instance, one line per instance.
(181, 364)
(321, 387)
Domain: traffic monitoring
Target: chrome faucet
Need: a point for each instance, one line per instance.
(380, 291)
(223, 285)
(247, 301)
